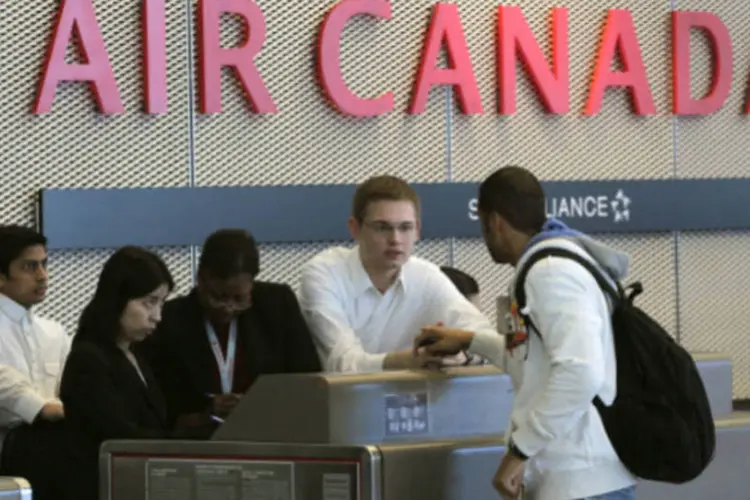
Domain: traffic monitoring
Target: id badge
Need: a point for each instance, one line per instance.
(521, 493)
(504, 322)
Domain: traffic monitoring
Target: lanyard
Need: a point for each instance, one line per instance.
(226, 367)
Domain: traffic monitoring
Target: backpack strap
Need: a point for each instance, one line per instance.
(615, 294)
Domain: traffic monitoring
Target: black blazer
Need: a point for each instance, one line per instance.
(277, 341)
(104, 398)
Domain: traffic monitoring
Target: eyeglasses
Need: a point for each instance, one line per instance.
(384, 228)
(237, 303)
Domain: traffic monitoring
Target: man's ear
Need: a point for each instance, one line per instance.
(496, 222)
(354, 227)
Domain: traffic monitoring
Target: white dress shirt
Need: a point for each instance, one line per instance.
(354, 325)
(32, 354)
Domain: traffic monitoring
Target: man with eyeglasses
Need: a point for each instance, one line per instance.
(212, 344)
(365, 304)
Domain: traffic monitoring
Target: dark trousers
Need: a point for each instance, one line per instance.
(35, 453)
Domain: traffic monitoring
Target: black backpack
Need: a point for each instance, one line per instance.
(660, 424)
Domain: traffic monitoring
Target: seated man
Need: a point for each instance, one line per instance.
(365, 305)
(32, 353)
(212, 344)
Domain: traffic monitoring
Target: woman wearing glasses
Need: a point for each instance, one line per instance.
(214, 342)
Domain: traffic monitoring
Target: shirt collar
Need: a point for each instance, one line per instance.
(361, 280)
(15, 311)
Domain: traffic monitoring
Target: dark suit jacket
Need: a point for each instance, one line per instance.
(105, 398)
(276, 340)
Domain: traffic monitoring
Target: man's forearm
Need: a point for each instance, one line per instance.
(490, 347)
(395, 361)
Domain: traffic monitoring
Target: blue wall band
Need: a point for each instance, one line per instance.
(95, 218)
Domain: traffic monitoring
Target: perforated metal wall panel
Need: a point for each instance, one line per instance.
(72, 146)
(612, 145)
(284, 263)
(652, 262)
(717, 145)
(471, 256)
(307, 141)
(714, 312)
(436, 251)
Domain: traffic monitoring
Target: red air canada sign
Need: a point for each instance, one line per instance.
(515, 43)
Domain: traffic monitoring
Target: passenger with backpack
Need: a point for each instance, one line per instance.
(603, 395)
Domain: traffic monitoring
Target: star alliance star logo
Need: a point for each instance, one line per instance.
(620, 207)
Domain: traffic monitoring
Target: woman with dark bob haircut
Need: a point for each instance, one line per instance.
(108, 392)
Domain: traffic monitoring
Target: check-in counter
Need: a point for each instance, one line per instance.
(15, 488)
(324, 436)
(430, 470)
(382, 436)
(716, 372)
(372, 408)
(169, 470)
(471, 468)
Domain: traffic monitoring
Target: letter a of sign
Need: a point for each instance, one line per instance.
(446, 26)
(619, 36)
(213, 57)
(79, 14)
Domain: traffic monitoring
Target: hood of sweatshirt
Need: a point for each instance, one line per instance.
(615, 262)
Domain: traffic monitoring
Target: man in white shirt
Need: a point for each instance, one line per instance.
(32, 354)
(557, 446)
(364, 305)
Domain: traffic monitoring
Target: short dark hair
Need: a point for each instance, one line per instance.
(130, 273)
(229, 252)
(517, 196)
(382, 188)
(463, 281)
(13, 241)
